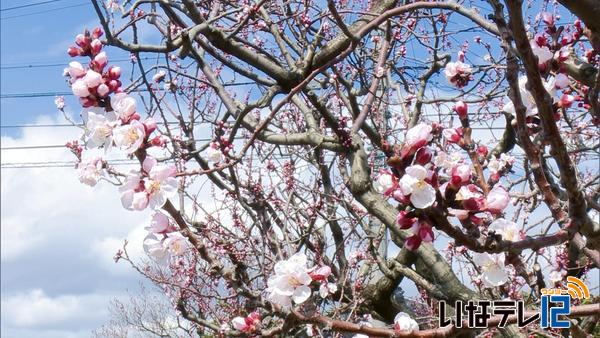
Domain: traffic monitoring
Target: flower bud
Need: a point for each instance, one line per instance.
(460, 175)
(102, 90)
(101, 59)
(96, 46)
(73, 51)
(114, 85)
(158, 141)
(423, 156)
(403, 221)
(461, 109)
(92, 79)
(150, 125)
(80, 89)
(412, 243)
(97, 33)
(452, 135)
(87, 102)
(321, 273)
(80, 40)
(114, 72)
(76, 70)
(426, 233)
(482, 150)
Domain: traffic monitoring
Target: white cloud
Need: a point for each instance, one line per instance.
(36, 309)
(58, 238)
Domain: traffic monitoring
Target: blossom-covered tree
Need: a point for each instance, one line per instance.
(299, 160)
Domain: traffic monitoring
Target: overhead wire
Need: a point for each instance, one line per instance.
(28, 5)
(44, 11)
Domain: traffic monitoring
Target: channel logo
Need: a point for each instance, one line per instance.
(575, 288)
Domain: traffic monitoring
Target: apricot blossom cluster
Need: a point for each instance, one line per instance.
(111, 120)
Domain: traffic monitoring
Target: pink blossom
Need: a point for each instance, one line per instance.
(133, 194)
(103, 90)
(90, 171)
(160, 224)
(114, 72)
(497, 199)
(159, 77)
(59, 101)
(129, 137)
(124, 105)
(543, 53)
(386, 183)
(418, 136)
(566, 101)
(161, 183)
(96, 46)
(458, 73)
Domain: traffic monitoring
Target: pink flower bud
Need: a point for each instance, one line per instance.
(400, 197)
(80, 89)
(482, 150)
(452, 135)
(423, 156)
(101, 59)
(426, 233)
(541, 40)
(80, 40)
(403, 221)
(76, 70)
(87, 102)
(96, 46)
(460, 175)
(102, 90)
(92, 79)
(97, 32)
(321, 273)
(461, 109)
(412, 243)
(150, 125)
(135, 116)
(73, 51)
(158, 141)
(114, 85)
(114, 72)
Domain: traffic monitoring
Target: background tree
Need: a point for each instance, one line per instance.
(302, 158)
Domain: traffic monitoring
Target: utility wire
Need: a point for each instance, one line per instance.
(59, 64)
(45, 11)
(28, 5)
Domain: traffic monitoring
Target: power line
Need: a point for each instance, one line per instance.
(59, 64)
(28, 5)
(45, 11)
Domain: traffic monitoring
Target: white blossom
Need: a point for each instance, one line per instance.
(290, 282)
(492, 267)
(422, 194)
